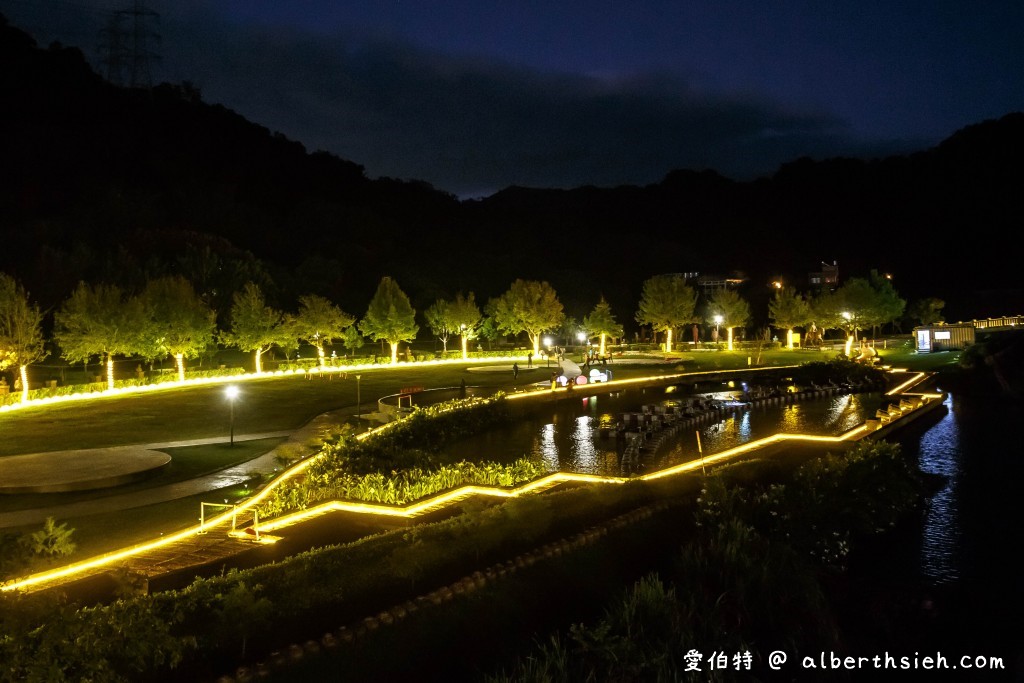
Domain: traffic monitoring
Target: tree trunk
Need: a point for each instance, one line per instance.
(179, 360)
(24, 382)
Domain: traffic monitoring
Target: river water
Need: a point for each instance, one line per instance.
(950, 579)
(579, 435)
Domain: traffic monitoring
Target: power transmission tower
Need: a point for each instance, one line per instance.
(125, 46)
(112, 48)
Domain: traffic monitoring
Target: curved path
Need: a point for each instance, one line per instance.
(231, 476)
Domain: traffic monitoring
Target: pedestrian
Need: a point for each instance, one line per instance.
(529, 359)
(462, 388)
(515, 371)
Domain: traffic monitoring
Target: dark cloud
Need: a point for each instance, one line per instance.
(473, 126)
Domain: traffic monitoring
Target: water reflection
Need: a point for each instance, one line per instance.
(940, 453)
(547, 448)
(577, 436)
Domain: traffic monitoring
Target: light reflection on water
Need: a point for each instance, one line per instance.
(940, 453)
(567, 436)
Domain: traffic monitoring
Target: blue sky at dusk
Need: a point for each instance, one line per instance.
(474, 96)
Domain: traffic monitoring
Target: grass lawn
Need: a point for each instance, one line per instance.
(288, 402)
(283, 403)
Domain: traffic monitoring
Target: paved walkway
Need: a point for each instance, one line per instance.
(230, 476)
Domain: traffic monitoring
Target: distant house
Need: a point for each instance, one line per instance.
(943, 337)
(826, 278)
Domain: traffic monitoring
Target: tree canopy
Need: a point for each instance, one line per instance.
(860, 304)
(927, 311)
(789, 309)
(21, 335)
(666, 303)
(320, 322)
(99, 320)
(439, 319)
(528, 306)
(468, 318)
(602, 322)
(731, 307)
(390, 316)
(177, 320)
(255, 326)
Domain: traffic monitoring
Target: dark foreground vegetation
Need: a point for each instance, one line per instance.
(750, 559)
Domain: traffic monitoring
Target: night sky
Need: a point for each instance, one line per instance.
(474, 95)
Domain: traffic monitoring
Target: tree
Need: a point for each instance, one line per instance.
(734, 311)
(927, 311)
(319, 322)
(99, 320)
(528, 306)
(602, 322)
(178, 321)
(569, 330)
(827, 310)
(21, 335)
(352, 340)
(390, 317)
(439, 320)
(861, 304)
(889, 307)
(254, 325)
(666, 303)
(467, 318)
(787, 310)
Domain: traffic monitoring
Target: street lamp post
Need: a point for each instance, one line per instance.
(718, 321)
(359, 398)
(232, 393)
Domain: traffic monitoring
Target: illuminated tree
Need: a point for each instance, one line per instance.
(859, 304)
(99, 321)
(467, 318)
(319, 322)
(390, 317)
(352, 340)
(178, 321)
(439, 320)
(734, 311)
(889, 307)
(787, 310)
(602, 322)
(528, 306)
(254, 325)
(21, 336)
(666, 303)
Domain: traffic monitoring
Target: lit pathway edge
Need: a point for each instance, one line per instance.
(43, 580)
